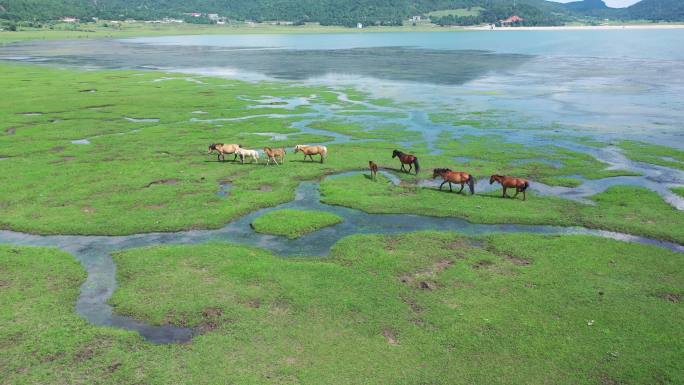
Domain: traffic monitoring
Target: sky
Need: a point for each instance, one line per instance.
(610, 3)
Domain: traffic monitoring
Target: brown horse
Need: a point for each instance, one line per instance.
(312, 150)
(223, 149)
(409, 159)
(273, 154)
(519, 184)
(373, 169)
(455, 177)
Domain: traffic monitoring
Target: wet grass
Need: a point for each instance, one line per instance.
(504, 309)
(624, 209)
(294, 223)
(159, 174)
(678, 190)
(654, 154)
(561, 181)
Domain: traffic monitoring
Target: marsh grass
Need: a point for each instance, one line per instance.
(428, 306)
(631, 210)
(294, 223)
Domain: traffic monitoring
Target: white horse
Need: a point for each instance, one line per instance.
(244, 153)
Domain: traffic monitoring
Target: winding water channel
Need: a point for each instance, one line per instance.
(94, 252)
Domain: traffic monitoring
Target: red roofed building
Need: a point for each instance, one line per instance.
(513, 20)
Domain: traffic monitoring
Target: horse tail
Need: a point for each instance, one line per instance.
(415, 163)
(471, 184)
(325, 151)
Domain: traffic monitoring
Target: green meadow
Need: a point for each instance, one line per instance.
(294, 223)
(147, 135)
(433, 308)
(126, 152)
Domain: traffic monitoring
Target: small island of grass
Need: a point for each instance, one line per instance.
(294, 223)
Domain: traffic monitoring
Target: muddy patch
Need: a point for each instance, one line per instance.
(88, 209)
(11, 130)
(672, 297)
(210, 319)
(162, 181)
(99, 106)
(265, 188)
(63, 159)
(422, 278)
(427, 285)
(390, 336)
(253, 303)
(4, 284)
(517, 260)
(155, 207)
(411, 302)
(483, 264)
(57, 149)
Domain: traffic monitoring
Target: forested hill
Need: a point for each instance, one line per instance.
(338, 12)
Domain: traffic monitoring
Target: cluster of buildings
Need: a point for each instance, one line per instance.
(213, 17)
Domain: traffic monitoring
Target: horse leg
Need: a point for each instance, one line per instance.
(462, 186)
(274, 161)
(321, 157)
(440, 186)
(517, 190)
(235, 156)
(402, 167)
(504, 193)
(524, 196)
(410, 167)
(450, 189)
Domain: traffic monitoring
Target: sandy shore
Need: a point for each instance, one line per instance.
(581, 27)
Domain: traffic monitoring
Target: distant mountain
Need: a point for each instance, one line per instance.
(656, 10)
(338, 12)
(586, 5)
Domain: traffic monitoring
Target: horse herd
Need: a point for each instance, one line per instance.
(456, 177)
(448, 176)
(273, 154)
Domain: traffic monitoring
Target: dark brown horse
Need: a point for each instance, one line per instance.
(409, 159)
(519, 184)
(373, 169)
(455, 177)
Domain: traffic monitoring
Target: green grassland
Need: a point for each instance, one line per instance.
(654, 154)
(294, 223)
(624, 209)
(499, 310)
(123, 30)
(159, 174)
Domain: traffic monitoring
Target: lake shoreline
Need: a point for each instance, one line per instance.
(141, 29)
(579, 27)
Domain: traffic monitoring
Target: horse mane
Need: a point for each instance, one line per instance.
(442, 170)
